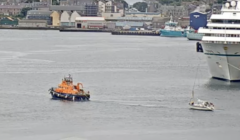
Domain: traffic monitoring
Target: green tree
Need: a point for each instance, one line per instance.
(125, 4)
(220, 1)
(31, 1)
(140, 6)
(55, 2)
(167, 1)
(24, 11)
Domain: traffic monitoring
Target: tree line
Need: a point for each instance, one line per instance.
(141, 6)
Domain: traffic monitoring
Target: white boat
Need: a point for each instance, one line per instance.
(201, 105)
(221, 42)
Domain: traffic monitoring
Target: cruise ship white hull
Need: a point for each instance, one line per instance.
(223, 60)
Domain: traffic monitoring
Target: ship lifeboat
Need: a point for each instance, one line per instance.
(68, 91)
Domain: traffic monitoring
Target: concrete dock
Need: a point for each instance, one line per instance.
(29, 28)
(82, 30)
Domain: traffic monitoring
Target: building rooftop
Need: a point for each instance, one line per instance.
(135, 18)
(39, 12)
(66, 8)
(33, 21)
(90, 18)
(11, 6)
(145, 13)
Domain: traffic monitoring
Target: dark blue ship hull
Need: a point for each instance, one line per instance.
(71, 97)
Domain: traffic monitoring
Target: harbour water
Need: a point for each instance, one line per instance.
(140, 88)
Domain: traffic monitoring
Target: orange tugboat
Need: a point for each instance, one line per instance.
(68, 91)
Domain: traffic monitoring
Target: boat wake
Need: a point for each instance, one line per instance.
(153, 104)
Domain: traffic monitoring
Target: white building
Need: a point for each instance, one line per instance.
(65, 18)
(109, 16)
(101, 7)
(110, 7)
(73, 17)
(32, 23)
(90, 22)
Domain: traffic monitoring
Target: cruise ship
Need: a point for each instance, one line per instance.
(221, 42)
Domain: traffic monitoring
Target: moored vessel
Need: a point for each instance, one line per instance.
(68, 91)
(201, 105)
(221, 42)
(172, 29)
(194, 35)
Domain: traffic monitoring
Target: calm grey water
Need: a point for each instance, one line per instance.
(140, 88)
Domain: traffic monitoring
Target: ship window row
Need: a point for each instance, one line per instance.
(225, 21)
(222, 42)
(223, 35)
(225, 28)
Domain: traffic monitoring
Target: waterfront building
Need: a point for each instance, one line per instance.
(111, 25)
(91, 10)
(69, 8)
(55, 18)
(73, 17)
(32, 23)
(10, 9)
(8, 21)
(129, 25)
(111, 16)
(74, 2)
(40, 15)
(90, 22)
(135, 19)
(110, 7)
(42, 5)
(65, 18)
(159, 22)
(142, 14)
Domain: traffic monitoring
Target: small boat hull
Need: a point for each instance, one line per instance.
(172, 33)
(71, 97)
(201, 108)
(195, 36)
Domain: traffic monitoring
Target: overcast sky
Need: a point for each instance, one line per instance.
(132, 1)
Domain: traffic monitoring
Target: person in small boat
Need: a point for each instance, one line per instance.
(206, 104)
(81, 91)
(192, 103)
